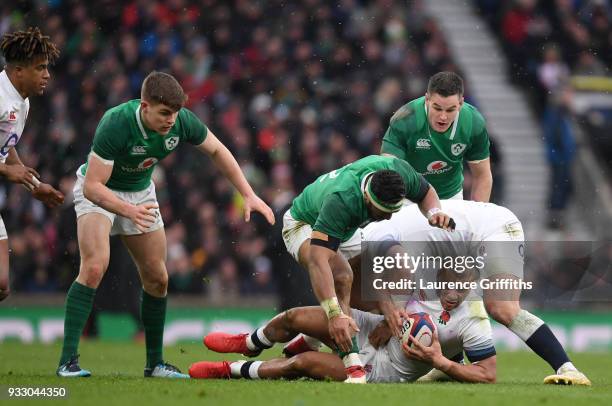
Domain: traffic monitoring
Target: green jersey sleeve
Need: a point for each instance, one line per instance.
(108, 142)
(394, 141)
(416, 185)
(479, 147)
(195, 130)
(335, 218)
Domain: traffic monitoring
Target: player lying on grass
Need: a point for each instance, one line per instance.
(329, 211)
(461, 326)
(498, 234)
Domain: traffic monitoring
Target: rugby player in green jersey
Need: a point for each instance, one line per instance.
(437, 133)
(114, 194)
(325, 215)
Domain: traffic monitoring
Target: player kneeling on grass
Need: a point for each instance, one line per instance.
(462, 326)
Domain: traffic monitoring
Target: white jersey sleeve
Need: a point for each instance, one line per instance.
(476, 334)
(13, 114)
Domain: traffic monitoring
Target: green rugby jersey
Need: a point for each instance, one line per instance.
(437, 156)
(122, 137)
(334, 203)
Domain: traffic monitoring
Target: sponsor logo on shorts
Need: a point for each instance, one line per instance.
(423, 143)
(171, 143)
(12, 116)
(437, 167)
(143, 166)
(457, 149)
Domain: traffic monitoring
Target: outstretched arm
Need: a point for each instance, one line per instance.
(225, 161)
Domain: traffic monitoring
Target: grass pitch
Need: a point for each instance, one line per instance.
(117, 379)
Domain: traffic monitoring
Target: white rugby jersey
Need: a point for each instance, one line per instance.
(476, 221)
(13, 114)
(465, 328)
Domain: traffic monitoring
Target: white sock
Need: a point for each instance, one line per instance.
(525, 324)
(258, 340)
(245, 369)
(568, 366)
(351, 360)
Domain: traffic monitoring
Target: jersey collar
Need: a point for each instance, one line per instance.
(139, 122)
(8, 86)
(455, 122)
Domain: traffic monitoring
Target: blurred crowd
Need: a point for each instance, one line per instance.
(294, 89)
(548, 42)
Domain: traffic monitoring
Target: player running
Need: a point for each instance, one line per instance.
(114, 194)
(437, 133)
(28, 55)
(499, 234)
(460, 326)
(328, 212)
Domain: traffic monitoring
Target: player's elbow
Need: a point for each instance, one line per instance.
(489, 371)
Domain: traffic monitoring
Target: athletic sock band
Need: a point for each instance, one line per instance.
(258, 340)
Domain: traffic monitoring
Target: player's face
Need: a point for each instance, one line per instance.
(442, 111)
(158, 117)
(34, 77)
(451, 298)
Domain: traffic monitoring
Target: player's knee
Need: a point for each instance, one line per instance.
(91, 273)
(299, 363)
(502, 312)
(157, 284)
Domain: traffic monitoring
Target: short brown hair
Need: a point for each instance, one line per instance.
(445, 84)
(160, 87)
(26, 46)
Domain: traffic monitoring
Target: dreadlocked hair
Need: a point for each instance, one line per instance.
(24, 46)
(388, 186)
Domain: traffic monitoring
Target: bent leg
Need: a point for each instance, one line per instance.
(316, 365)
(310, 321)
(149, 253)
(504, 307)
(92, 233)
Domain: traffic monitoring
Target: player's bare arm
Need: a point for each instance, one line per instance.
(225, 161)
(483, 371)
(94, 189)
(40, 190)
(482, 182)
(431, 208)
(341, 326)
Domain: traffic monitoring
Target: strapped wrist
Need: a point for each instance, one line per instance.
(432, 212)
(331, 307)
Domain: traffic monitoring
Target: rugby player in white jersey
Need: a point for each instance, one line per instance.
(460, 326)
(27, 55)
(500, 234)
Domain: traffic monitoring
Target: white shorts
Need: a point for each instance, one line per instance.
(120, 225)
(3, 234)
(295, 232)
(376, 361)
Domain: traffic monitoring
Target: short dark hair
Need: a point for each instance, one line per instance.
(388, 186)
(26, 46)
(445, 84)
(160, 87)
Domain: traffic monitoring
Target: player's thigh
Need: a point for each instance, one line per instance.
(319, 365)
(148, 250)
(93, 231)
(308, 320)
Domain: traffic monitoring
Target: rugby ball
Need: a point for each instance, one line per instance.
(420, 326)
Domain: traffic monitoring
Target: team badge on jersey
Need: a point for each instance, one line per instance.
(171, 143)
(457, 149)
(12, 116)
(423, 143)
(444, 317)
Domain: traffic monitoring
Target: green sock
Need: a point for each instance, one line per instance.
(354, 349)
(79, 302)
(153, 314)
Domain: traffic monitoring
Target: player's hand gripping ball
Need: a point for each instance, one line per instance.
(420, 326)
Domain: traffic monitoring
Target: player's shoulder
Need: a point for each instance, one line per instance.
(474, 115)
(407, 114)
(120, 114)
